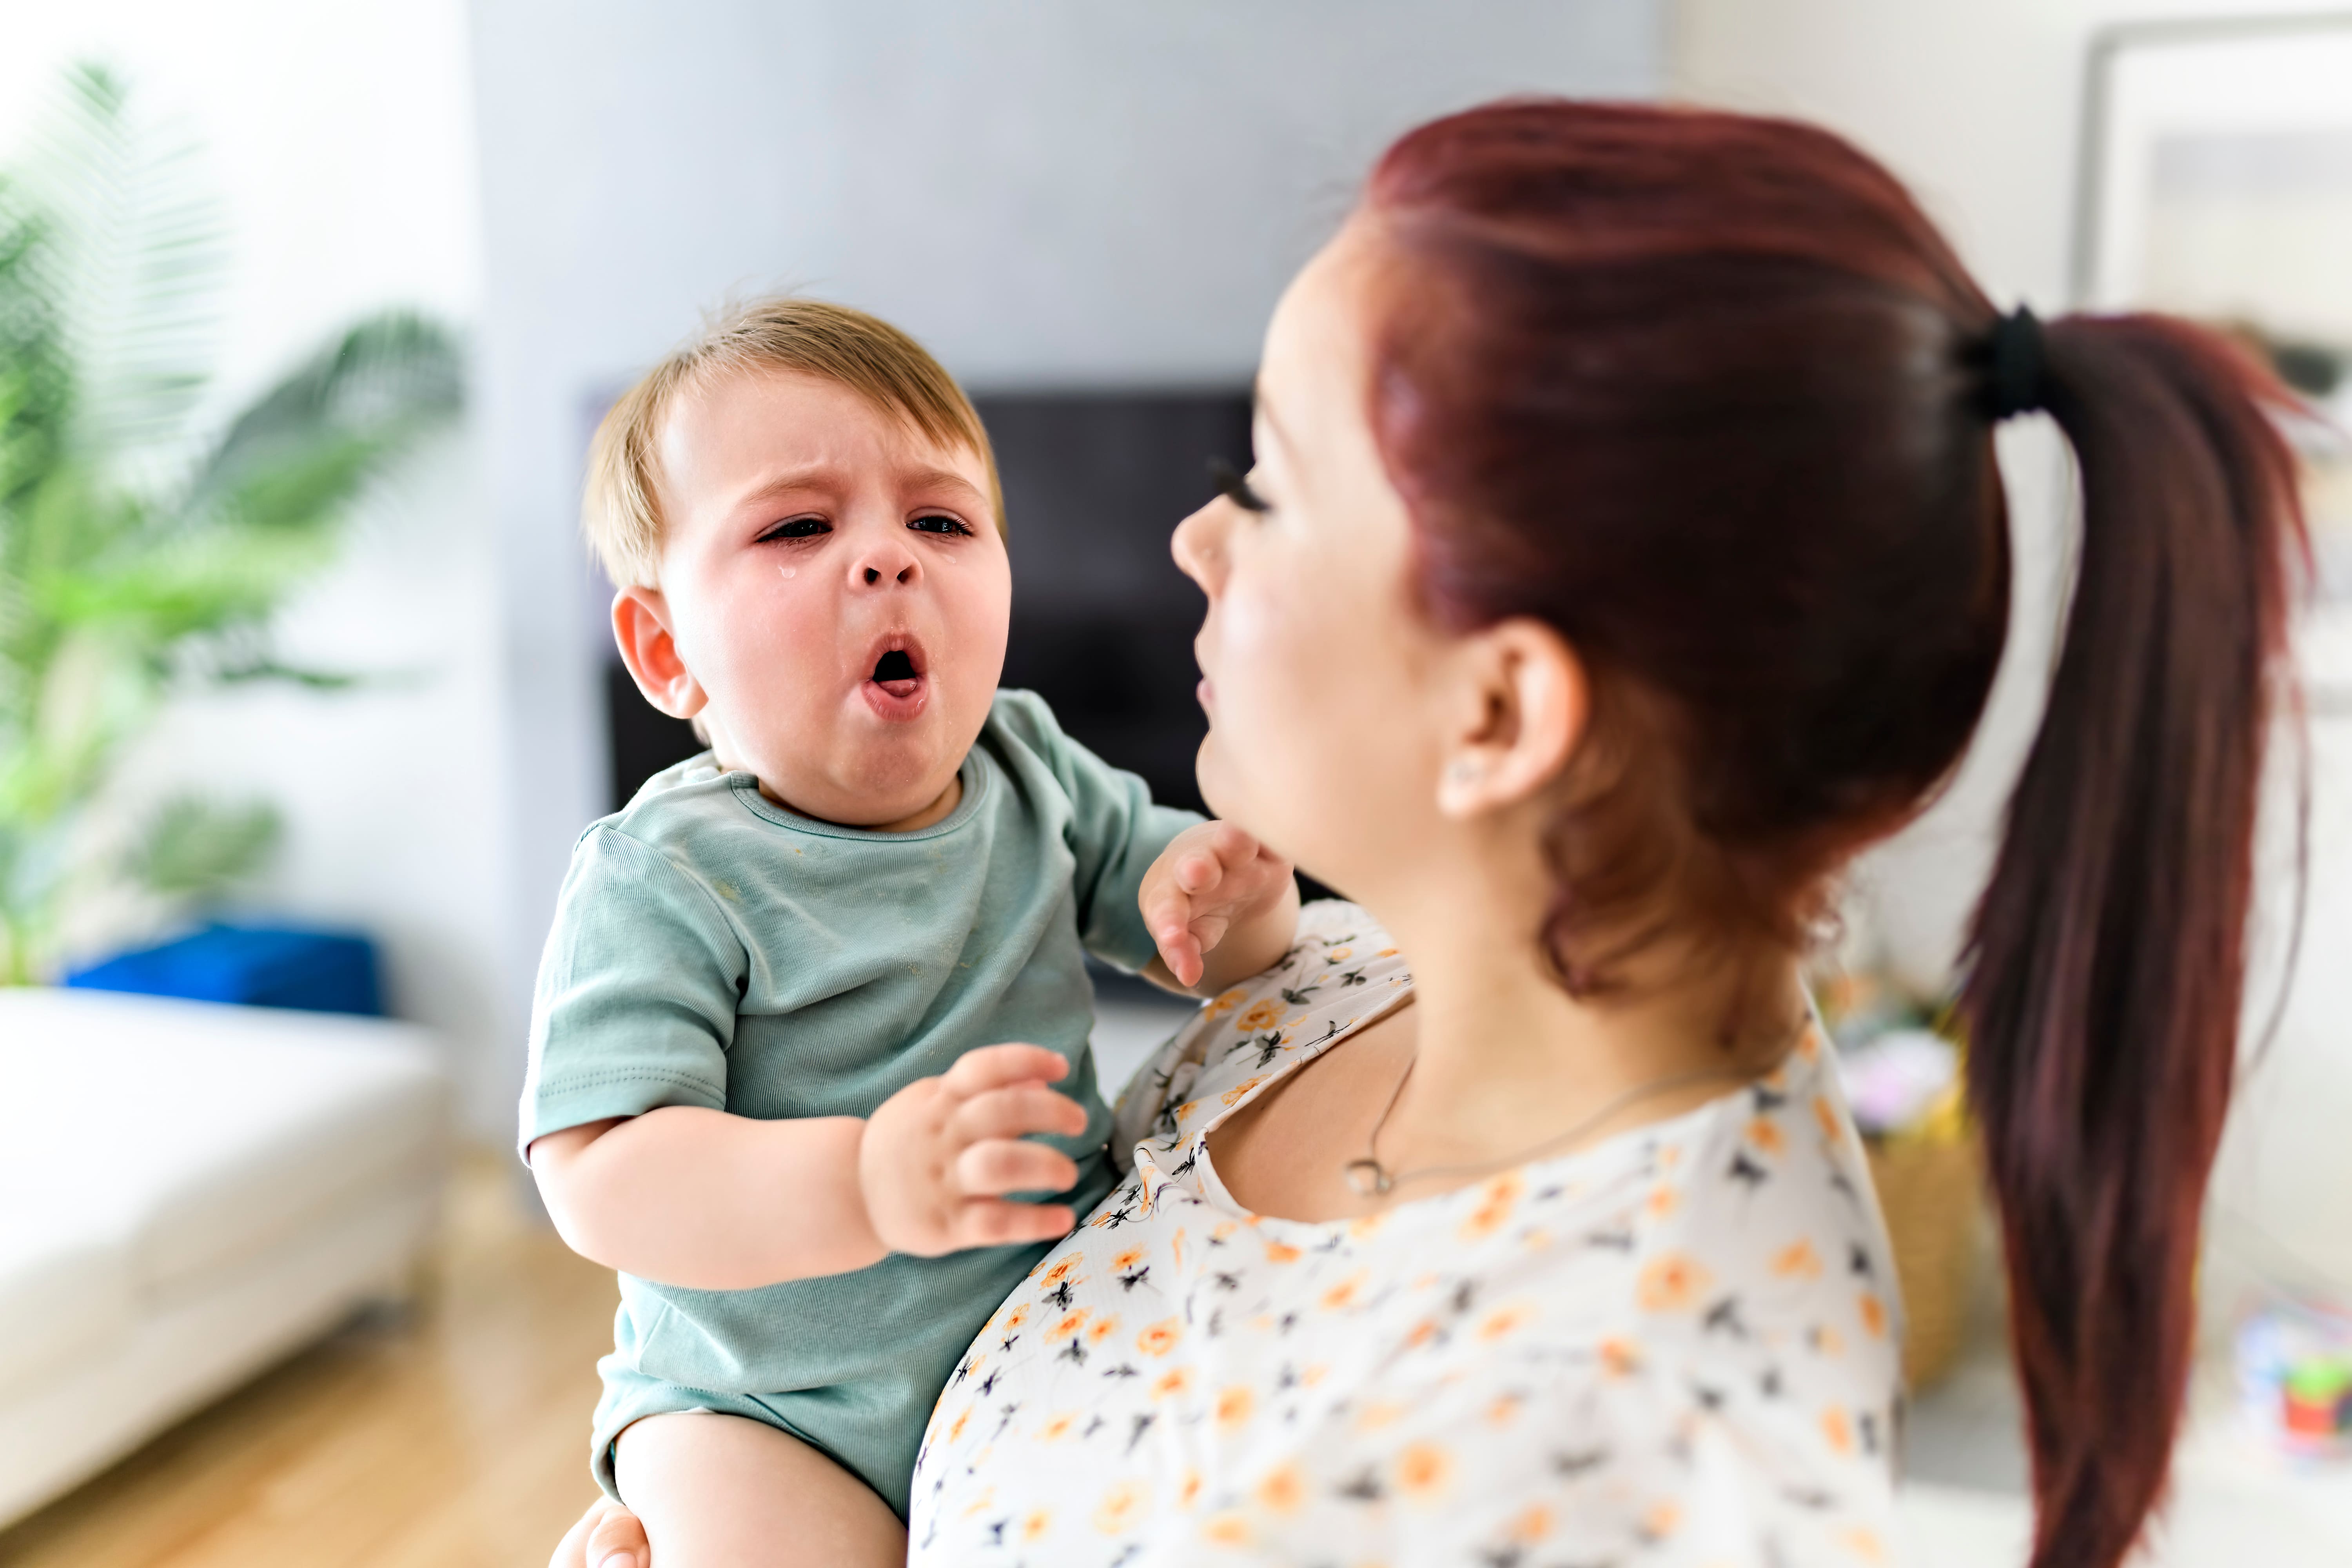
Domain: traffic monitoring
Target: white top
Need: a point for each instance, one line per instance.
(1676, 1346)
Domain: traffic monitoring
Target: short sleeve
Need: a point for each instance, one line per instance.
(1115, 832)
(634, 1007)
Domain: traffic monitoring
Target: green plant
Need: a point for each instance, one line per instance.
(143, 546)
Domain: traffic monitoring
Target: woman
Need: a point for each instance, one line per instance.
(1625, 552)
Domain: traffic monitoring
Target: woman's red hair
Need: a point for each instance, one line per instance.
(1709, 394)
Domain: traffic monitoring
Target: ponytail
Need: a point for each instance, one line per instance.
(2107, 956)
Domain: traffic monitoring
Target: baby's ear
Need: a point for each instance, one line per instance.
(641, 628)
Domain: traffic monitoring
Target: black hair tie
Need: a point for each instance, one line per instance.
(2017, 381)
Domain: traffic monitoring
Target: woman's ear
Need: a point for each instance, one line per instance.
(641, 625)
(1522, 707)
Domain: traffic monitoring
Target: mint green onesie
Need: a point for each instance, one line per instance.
(713, 948)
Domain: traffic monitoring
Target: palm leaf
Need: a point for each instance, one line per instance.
(194, 849)
(130, 259)
(308, 445)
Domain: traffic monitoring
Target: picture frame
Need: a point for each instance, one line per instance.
(2216, 183)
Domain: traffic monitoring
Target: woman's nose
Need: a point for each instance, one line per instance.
(1199, 546)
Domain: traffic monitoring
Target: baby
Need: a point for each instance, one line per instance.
(768, 1078)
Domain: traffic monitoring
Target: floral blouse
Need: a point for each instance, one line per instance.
(1678, 1346)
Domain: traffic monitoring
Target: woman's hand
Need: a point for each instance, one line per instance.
(937, 1157)
(607, 1536)
(1220, 906)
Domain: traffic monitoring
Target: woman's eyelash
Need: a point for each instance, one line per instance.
(797, 528)
(940, 523)
(1235, 487)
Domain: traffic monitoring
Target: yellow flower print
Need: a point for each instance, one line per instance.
(1826, 1114)
(1828, 1341)
(1226, 1003)
(982, 1503)
(1873, 1315)
(1386, 952)
(1661, 1202)
(1223, 1231)
(1837, 1430)
(1798, 1260)
(1039, 1522)
(1062, 1270)
(1070, 1325)
(1123, 1507)
(956, 1431)
(1670, 1156)
(1505, 1408)
(1127, 1260)
(1671, 1282)
(1495, 1202)
(1184, 1112)
(1504, 1322)
(1101, 1330)
(1235, 1407)
(1060, 1427)
(1765, 1133)
(1018, 1316)
(1176, 1380)
(1423, 1332)
(1283, 1490)
(1620, 1357)
(1281, 1252)
(1865, 1544)
(1376, 1414)
(1226, 1529)
(1531, 1525)
(1239, 1092)
(1189, 1493)
(1339, 955)
(1264, 1015)
(1808, 1044)
(1423, 1472)
(1342, 1296)
(1663, 1519)
(1161, 1337)
(1176, 1246)
(1313, 1375)
(1363, 1226)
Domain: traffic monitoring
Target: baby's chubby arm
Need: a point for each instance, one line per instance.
(706, 1201)
(1220, 905)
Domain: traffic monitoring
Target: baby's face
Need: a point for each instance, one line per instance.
(838, 592)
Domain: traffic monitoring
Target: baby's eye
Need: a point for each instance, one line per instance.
(940, 523)
(797, 528)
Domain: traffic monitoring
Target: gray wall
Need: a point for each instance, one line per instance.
(1060, 190)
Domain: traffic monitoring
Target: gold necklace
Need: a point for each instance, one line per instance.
(1370, 1178)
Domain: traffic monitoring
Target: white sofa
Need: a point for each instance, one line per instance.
(189, 1191)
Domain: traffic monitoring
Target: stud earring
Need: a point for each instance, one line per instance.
(1465, 771)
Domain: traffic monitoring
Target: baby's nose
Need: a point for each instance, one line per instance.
(888, 564)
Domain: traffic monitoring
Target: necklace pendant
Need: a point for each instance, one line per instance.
(1370, 1178)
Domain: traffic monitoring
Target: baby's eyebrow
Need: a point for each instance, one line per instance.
(928, 478)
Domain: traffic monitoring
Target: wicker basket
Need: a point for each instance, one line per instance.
(1932, 1191)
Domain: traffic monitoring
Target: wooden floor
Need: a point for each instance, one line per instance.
(452, 1435)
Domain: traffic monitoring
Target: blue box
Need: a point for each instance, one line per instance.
(258, 966)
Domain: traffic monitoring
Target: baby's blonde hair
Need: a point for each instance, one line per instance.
(620, 512)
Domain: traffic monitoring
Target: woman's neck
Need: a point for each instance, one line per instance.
(1504, 1058)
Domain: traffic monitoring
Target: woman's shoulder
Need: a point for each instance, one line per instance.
(1761, 1278)
(1342, 971)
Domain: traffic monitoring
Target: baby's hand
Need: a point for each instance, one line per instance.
(1209, 878)
(937, 1158)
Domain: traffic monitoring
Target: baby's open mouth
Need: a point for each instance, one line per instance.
(896, 688)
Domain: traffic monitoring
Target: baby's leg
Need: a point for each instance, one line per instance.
(720, 1491)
